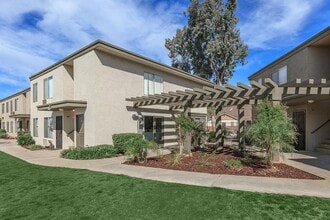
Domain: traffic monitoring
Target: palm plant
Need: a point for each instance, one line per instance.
(272, 130)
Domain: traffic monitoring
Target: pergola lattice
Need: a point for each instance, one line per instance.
(229, 95)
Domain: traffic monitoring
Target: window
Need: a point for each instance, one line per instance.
(48, 88)
(282, 75)
(11, 106)
(153, 84)
(11, 127)
(4, 125)
(16, 105)
(35, 127)
(7, 126)
(35, 92)
(48, 127)
(259, 80)
(3, 108)
(7, 107)
(275, 77)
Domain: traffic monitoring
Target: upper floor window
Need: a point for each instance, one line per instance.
(48, 88)
(35, 92)
(280, 77)
(153, 84)
(3, 108)
(16, 106)
(11, 106)
(7, 107)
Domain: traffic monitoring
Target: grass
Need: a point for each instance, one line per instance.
(35, 192)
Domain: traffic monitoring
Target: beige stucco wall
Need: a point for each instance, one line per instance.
(105, 81)
(23, 108)
(316, 114)
(62, 90)
(309, 63)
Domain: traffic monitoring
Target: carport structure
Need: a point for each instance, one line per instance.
(229, 95)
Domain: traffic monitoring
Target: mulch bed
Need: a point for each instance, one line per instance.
(214, 164)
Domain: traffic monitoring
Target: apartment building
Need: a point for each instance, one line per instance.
(15, 113)
(310, 113)
(80, 100)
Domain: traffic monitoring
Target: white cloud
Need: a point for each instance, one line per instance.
(68, 25)
(274, 22)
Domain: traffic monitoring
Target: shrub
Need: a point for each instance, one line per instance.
(121, 141)
(3, 133)
(174, 159)
(25, 139)
(137, 149)
(89, 153)
(272, 130)
(211, 136)
(35, 147)
(232, 163)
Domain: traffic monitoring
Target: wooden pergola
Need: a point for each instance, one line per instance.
(229, 95)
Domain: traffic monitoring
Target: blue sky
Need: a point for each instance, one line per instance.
(36, 33)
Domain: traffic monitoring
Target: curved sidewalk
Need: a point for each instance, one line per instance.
(319, 188)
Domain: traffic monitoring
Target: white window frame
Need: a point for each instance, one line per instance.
(35, 92)
(282, 75)
(48, 127)
(35, 127)
(48, 87)
(16, 106)
(153, 84)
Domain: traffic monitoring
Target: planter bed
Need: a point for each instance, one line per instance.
(214, 164)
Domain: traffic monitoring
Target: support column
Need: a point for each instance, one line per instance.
(187, 107)
(218, 123)
(187, 142)
(241, 124)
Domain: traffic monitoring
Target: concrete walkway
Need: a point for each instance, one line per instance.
(319, 188)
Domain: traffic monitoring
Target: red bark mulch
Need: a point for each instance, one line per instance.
(214, 164)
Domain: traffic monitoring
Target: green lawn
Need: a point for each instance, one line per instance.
(35, 192)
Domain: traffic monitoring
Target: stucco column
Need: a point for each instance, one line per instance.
(218, 123)
(241, 124)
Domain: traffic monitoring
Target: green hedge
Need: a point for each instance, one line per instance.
(88, 153)
(35, 147)
(25, 139)
(122, 141)
(3, 133)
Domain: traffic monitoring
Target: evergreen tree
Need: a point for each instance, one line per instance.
(209, 45)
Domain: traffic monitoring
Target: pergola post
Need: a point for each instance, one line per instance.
(241, 124)
(187, 142)
(187, 107)
(218, 123)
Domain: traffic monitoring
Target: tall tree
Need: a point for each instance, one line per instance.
(209, 45)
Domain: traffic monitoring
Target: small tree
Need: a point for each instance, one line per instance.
(272, 130)
(185, 126)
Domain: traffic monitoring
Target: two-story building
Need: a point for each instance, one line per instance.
(80, 100)
(15, 113)
(310, 114)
